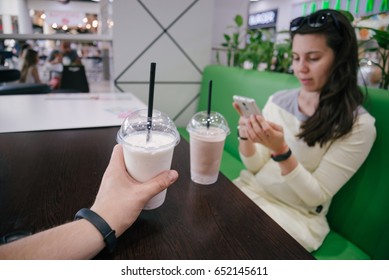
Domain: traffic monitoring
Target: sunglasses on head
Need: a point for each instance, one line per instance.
(316, 20)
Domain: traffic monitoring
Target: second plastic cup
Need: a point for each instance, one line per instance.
(146, 159)
(207, 139)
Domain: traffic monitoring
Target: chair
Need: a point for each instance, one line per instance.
(7, 87)
(9, 75)
(6, 58)
(15, 89)
(74, 79)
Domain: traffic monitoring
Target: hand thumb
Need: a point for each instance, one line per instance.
(161, 181)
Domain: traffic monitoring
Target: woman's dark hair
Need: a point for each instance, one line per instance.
(340, 96)
(30, 59)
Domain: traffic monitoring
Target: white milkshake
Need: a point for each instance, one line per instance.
(146, 159)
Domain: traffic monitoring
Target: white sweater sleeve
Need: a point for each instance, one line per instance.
(255, 162)
(338, 165)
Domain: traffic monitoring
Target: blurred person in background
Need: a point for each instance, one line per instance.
(69, 55)
(29, 72)
(22, 54)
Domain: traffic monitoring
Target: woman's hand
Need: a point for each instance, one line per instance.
(241, 123)
(266, 133)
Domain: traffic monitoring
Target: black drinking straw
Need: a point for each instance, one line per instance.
(209, 103)
(151, 99)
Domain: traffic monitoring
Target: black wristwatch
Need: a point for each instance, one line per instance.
(282, 157)
(106, 231)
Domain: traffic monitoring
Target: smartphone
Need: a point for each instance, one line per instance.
(247, 105)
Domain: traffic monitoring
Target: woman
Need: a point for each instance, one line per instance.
(310, 140)
(22, 54)
(29, 72)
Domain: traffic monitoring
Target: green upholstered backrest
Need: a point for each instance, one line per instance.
(360, 211)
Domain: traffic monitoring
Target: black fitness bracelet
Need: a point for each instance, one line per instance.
(239, 137)
(282, 157)
(106, 231)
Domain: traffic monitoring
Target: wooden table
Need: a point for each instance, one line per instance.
(47, 176)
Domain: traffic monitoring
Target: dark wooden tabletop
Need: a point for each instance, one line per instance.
(47, 176)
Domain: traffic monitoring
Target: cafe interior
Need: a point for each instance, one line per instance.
(172, 61)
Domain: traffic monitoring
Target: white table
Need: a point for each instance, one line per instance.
(65, 111)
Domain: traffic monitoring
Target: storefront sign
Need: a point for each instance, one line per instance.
(263, 19)
(64, 18)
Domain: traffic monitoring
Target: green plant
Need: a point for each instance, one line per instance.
(232, 42)
(258, 49)
(283, 57)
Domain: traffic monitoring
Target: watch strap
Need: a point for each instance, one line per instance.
(239, 137)
(102, 226)
(282, 157)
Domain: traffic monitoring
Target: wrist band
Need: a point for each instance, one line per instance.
(106, 231)
(282, 157)
(241, 138)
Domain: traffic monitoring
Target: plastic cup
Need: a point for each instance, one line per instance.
(206, 138)
(146, 159)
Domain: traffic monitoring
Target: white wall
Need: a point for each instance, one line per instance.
(138, 40)
(15, 8)
(223, 17)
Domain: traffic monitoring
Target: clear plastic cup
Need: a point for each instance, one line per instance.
(206, 146)
(146, 159)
